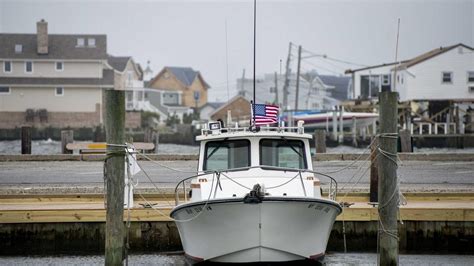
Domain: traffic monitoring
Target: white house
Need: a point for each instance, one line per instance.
(445, 73)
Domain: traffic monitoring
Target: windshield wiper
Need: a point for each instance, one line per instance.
(216, 148)
(292, 147)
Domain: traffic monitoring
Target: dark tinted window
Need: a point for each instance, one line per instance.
(226, 154)
(282, 153)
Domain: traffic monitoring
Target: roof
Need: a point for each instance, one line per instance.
(119, 63)
(340, 84)
(214, 105)
(244, 133)
(429, 55)
(60, 46)
(185, 75)
(350, 71)
(232, 100)
(106, 80)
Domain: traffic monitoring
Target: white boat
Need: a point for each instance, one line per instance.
(325, 120)
(255, 198)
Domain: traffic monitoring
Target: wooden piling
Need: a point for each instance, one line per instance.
(354, 132)
(320, 141)
(25, 140)
(341, 125)
(374, 175)
(115, 176)
(388, 183)
(334, 125)
(405, 141)
(67, 136)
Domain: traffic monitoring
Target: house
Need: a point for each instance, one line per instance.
(239, 107)
(183, 86)
(57, 80)
(52, 79)
(206, 110)
(445, 73)
(311, 95)
(339, 86)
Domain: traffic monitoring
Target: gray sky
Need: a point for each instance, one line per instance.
(192, 33)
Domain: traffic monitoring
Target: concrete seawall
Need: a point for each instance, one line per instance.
(86, 238)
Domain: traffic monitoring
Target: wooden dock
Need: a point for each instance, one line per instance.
(90, 208)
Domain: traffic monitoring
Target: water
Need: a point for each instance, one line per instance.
(54, 147)
(155, 259)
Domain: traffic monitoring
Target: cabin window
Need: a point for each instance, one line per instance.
(283, 153)
(447, 77)
(470, 76)
(226, 154)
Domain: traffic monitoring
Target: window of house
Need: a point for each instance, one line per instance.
(7, 66)
(4, 90)
(18, 48)
(471, 89)
(370, 86)
(59, 91)
(80, 42)
(386, 80)
(29, 67)
(470, 76)
(91, 42)
(59, 66)
(447, 77)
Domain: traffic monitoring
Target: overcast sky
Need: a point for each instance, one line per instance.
(192, 33)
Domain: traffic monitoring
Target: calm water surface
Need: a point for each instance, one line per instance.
(151, 259)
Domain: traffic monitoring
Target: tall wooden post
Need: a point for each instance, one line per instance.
(67, 136)
(374, 174)
(25, 140)
(388, 194)
(341, 124)
(320, 141)
(405, 141)
(115, 175)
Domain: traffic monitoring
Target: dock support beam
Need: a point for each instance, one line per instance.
(115, 176)
(67, 136)
(320, 141)
(388, 181)
(25, 140)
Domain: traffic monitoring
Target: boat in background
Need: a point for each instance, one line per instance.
(319, 120)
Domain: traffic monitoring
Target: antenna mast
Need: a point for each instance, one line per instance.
(254, 51)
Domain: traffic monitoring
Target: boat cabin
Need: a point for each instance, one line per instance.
(233, 160)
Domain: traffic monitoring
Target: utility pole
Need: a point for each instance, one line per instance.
(287, 78)
(298, 78)
(388, 183)
(276, 89)
(115, 175)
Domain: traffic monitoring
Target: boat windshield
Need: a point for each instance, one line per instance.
(283, 153)
(226, 154)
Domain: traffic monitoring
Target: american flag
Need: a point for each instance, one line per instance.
(265, 114)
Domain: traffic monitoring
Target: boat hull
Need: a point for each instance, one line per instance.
(276, 229)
